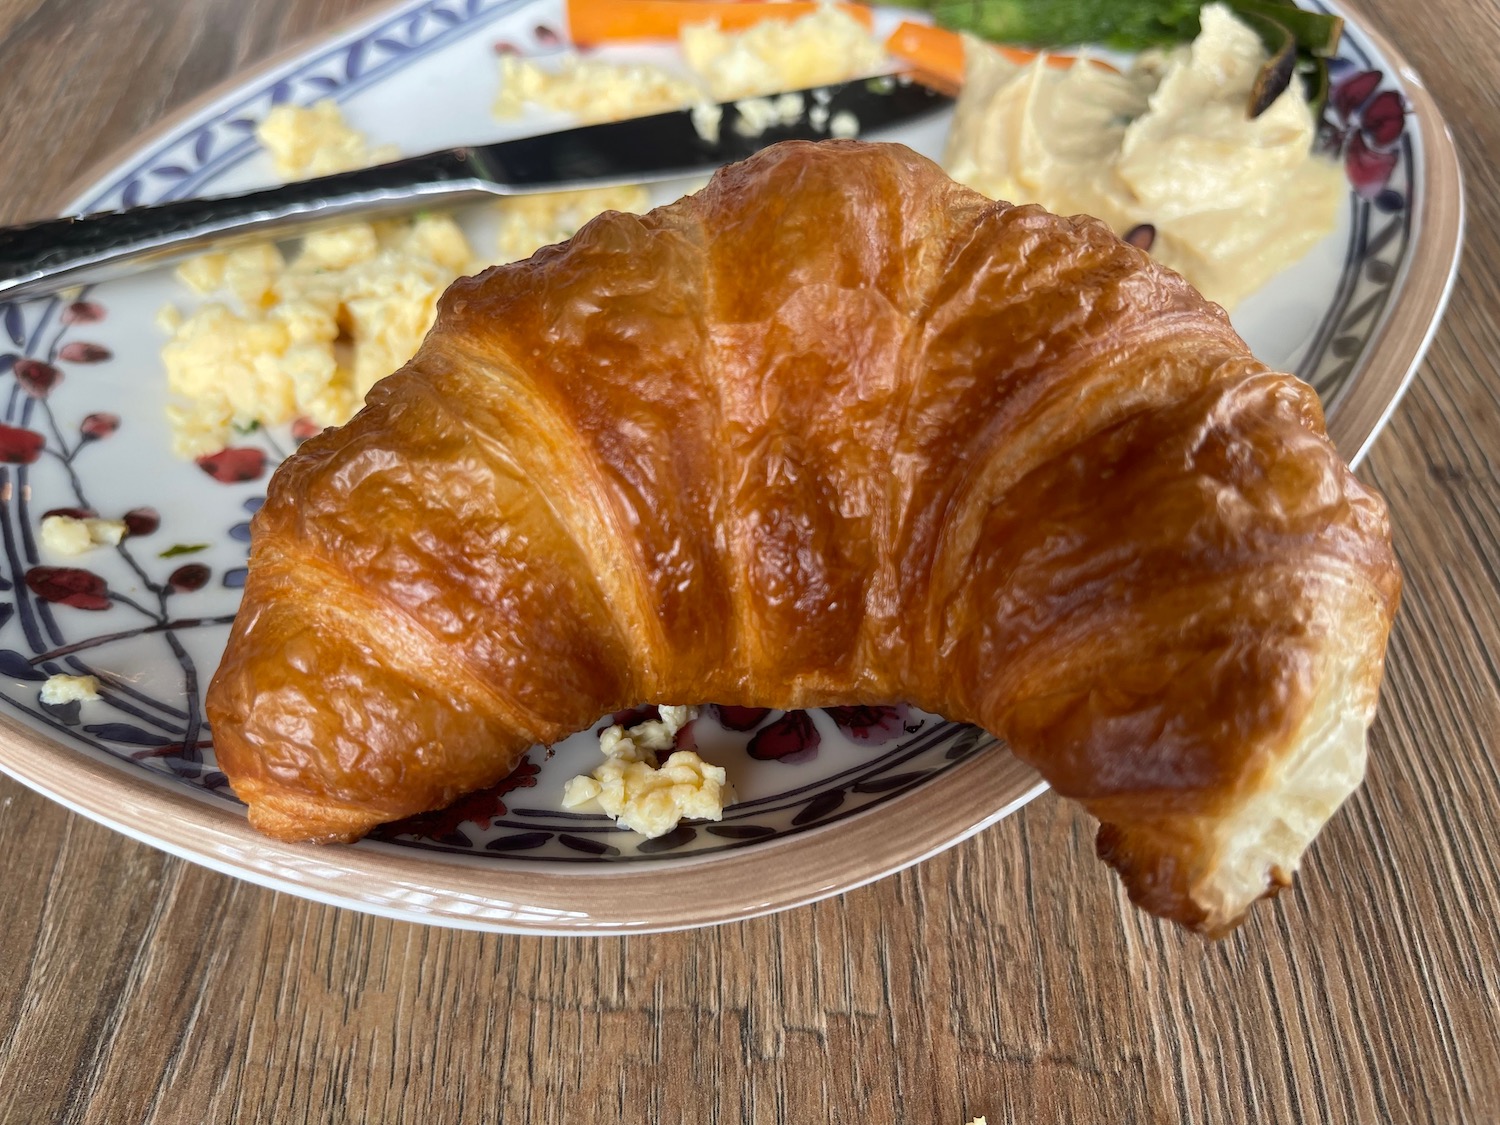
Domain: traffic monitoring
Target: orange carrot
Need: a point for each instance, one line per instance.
(937, 55)
(596, 22)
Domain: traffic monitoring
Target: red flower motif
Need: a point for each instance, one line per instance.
(791, 738)
(72, 513)
(18, 446)
(1352, 92)
(740, 718)
(1369, 170)
(142, 521)
(68, 585)
(1367, 122)
(1383, 119)
(99, 425)
(80, 352)
(478, 808)
(189, 577)
(83, 312)
(37, 378)
(869, 724)
(234, 466)
(304, 428)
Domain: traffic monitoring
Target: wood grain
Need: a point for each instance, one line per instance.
(1007, 977)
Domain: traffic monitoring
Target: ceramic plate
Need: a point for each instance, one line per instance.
(827, 800)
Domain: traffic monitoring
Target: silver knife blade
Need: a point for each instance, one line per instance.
(39, 258)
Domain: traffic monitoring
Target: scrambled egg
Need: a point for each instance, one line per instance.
(529, 222)
(68, 535)
(823, 47)
(1232, 199)
(595, 91)
(70, 689)
(640, 794)
(317, 141)
(309, 337)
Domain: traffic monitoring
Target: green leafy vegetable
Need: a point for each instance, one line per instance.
(1316, 34)
(1125, 24)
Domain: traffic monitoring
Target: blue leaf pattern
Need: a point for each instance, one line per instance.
(15, 327)
(128, 733)
(18, 667)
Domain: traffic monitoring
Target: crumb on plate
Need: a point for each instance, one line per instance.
(71, 535)
(645, 796)
(61, 689)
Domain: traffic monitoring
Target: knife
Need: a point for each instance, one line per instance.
(39, 258)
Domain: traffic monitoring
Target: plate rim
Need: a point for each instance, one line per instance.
(686, 893)
(683, 894)
(1393, 354)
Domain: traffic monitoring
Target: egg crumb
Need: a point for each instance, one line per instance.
(61, 689)
(823, 47)
(759, 114)
(843, 125)
(315, 140)
(529, 222)
(593, 90)
(645, 796)
(72, 535)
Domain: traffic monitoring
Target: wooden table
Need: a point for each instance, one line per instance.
(1007, 977)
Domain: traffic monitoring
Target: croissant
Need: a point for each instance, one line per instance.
(834, 430)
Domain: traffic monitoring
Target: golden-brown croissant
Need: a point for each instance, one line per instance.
(834, 430)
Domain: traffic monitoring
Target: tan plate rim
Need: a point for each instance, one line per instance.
(1365, 403)
(684, 893)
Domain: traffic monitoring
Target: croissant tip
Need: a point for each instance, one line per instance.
(1212, 904)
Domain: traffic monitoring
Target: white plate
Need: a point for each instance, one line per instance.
(876, 793)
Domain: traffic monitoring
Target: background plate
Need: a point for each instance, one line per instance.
(833, 800)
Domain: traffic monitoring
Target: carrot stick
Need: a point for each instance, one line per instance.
(596, 22)
(931, 51)
(937, 54)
